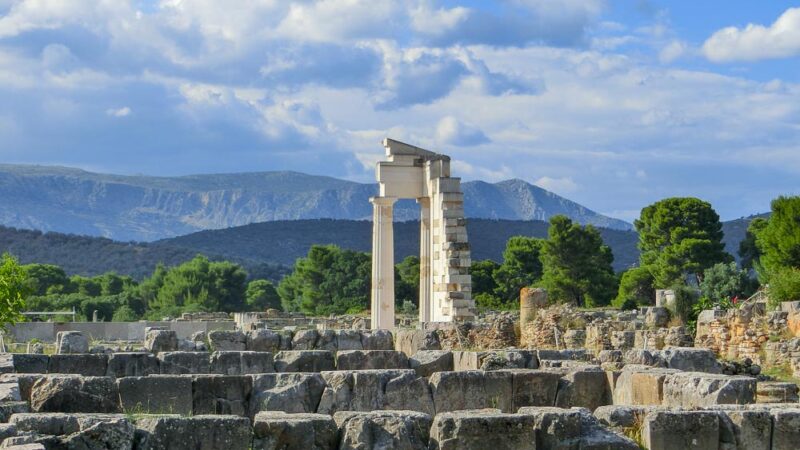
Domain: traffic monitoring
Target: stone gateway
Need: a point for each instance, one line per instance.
(445, 290)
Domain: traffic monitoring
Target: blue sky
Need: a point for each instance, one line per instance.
(614, 104)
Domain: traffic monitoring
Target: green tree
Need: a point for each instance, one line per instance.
(678, 237)
(113, 284)
(724, 281)
(406, 282)
(14, 289)
(86, 286)
(47, 279)
(262, 295)
(748, 248)
(482, 273)
(227, 283)
(784, 286)
(577, 265)
(779, 240)
(635, 288)
(521, 267)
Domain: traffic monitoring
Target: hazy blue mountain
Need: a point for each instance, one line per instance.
(147, 208)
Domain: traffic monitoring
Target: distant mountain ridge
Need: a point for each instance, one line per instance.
(148, 208)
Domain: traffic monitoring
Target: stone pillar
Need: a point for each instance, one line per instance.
(530, 300)
(382, 308)
(425, 277)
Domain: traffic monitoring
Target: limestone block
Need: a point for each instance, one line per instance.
(369, 390)
(370, 359)
(408, 430)
(160, 340)
(776, 392)
(472, 389)
(656, 317)
(304, 340)
(263, 341)
(84, 364)
(561, 355)
(156, 394)
(221, 394)
(286, 339)
(532, 387)
(278, 430)
(745, 429)
(694, 389)
(690, 359)
(584, 387)
(327, 341)
(482, 429)
(304, 361)
(681, 430)
(193, 433)
(348, 340)
(426, 362)
(785, 428)
(241, 363)
(74, 393)
(643, 357)
(624, 416)
(30, 362)
(25, 381)
(574, 428)
(110, 433)
(177, 363)
(377, 340)
(54, 424)
(640, 385)
(286, 392)
(71, 342)
(133, 364)
(7, 409)
(9, 392)
(76, 431)
(222, 340)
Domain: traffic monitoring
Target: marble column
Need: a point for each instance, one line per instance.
(425, 278)
(382, 309)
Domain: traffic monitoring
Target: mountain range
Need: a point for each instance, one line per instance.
(148, 208)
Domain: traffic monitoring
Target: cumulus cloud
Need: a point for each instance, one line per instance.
(451, 131)
(755, 42)
(564, 185)
(118, 112)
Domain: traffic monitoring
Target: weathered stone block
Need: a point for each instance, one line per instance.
(263, 341)
(222, 340)
(472, 389)
(177, 363)
(30, 362)
(776, 392)
(785, 428)
(305, 340)
(83, 364)
(412, 341)
(744, 429)
(327, 341)
(74, 431)
(221, 394)
(693, 389)
(426, 362)
(573, 428)
(10, 392)
(370, 359)
(24, 381)
(377, 340)
(278, 430)
(71, 342)
(369, 390)
(624, 416)
(7, 409)
(584, 387)
(407, 430)
(286, 392)
(690, 359)
(160, 340)
(681, 430)
(241, 363)
(640, 385)
(348, 340)
(532, 387)
(156, 394)
(74, 393)
(193, 433)
(304, 361)
(133, 364)
(482, 429)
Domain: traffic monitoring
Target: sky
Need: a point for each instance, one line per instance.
(614, 104)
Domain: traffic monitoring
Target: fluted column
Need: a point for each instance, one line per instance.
(425, 278)
(382, 307)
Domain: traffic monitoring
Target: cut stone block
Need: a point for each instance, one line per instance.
(86, 364)
(286, 392)
(158, 340)
(785, 428)
(482, 429)
(177, 363)
(221, 394)
(278, 430)
(304, 361)
(348, 340)
(133, 364)
(693, 389)
(193, 433)
(71, 342)
(776, 392)
(370, 359)
(376, 340)
(7, 409)
(241, 363)
(745, 429)
(74, 393)
(156, 394)
(640, 385)
(30, 362)
(690, 359)
(574, 428)
(472, 389)
(226, 340)
(426, 362)
(263, 341)
(584, 387)
(408, 430)
(681, 430)
(305, 340)
(531, 387)
(369, 390)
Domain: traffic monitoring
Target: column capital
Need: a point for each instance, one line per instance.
(383, 201)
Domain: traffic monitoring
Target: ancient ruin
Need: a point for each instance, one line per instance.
(445, 287)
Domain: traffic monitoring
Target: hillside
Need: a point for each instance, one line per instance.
(147, 208)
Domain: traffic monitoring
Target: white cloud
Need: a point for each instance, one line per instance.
(755, 42)
(451, 131)
(672, 51)
(564, 185)
(118, 112)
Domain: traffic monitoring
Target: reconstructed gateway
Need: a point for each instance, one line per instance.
(445, 284)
